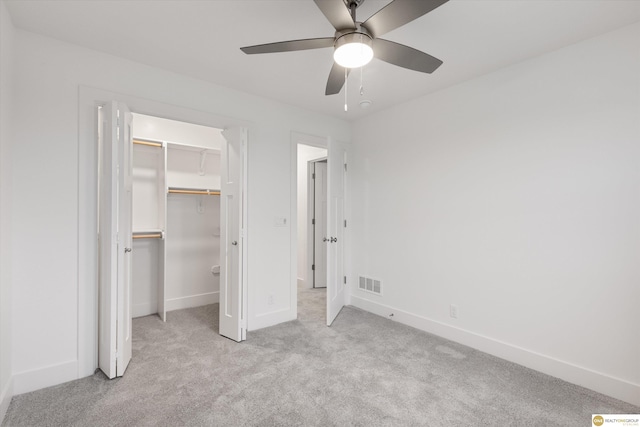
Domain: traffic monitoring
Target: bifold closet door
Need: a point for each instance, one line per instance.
(231, 238)
(115, 240)
(336, 288)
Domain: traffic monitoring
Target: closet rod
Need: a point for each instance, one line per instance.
(194, 191)
(149, 143)
(148, 236)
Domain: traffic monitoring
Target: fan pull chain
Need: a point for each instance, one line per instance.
(346, 90)
(361, 84)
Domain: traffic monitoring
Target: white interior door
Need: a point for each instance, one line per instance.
(336, 288)
(115, 239)
(107, 239)
(231, 234)
(320, 224)
(125, 238)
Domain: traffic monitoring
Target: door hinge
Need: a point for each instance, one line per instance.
(345, 167)
(345, 280)
(313, 176)
(313, 267)
(313, 221)
(345, 223)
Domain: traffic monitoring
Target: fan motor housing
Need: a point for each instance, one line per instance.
(358, 30)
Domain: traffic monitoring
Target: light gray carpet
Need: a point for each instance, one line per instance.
(364, 371)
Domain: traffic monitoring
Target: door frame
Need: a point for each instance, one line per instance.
(315, 141)
(87, 269)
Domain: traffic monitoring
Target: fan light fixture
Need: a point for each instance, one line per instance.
(354, 41)
(353, 50)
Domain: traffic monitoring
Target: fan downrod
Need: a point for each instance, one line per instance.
(352, 5)
(357, 3)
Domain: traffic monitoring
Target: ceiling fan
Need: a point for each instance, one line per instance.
(356, 43)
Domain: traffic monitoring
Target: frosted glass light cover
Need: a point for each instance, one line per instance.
(353, 51)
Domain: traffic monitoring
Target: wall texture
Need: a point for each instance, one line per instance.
(6, 96)
(45, 152)
(514, 196)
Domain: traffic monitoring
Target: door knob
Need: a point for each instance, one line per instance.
(334, 239)
(234, 243)
(324, 239)
(127, 250)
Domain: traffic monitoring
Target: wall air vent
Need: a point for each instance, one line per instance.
(368, 284)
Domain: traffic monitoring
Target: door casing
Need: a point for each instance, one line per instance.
(89, 99)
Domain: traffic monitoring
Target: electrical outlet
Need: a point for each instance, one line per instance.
(270, 300)
(453, 311)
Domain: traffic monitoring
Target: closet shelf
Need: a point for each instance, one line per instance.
(148, 234)
(191, 147)
(201, 191)
(175, 145)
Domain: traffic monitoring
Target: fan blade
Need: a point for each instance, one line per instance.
(289, 46)
(404, 56)
(397, 13)
(337, 14)
(336, 79)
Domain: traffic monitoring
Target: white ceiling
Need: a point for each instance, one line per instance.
(202, 39)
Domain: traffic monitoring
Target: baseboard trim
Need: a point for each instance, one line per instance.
(36, 379)
(192, 301)
(5, 398)
(593, 380)
(271, 318)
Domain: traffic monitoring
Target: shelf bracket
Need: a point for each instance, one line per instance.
(203, 158)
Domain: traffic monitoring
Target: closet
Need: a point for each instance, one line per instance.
(176, 215)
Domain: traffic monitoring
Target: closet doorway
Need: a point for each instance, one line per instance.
(176, 232)
(170, 224)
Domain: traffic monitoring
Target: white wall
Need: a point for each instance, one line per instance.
(515, 197)
(146, 277)
(193, 247)
(45, 228)
(305, 154)
(6, 97)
